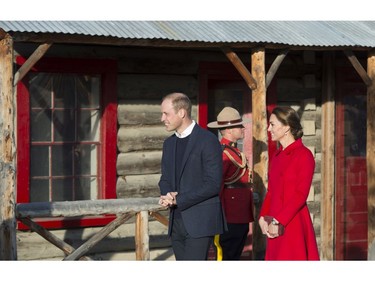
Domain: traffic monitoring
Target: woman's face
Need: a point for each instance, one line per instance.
(276, 128)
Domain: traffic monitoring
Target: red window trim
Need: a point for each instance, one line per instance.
(108, 71)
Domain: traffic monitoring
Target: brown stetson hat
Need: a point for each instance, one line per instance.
(228, 117)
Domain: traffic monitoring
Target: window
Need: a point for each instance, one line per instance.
(67, 132)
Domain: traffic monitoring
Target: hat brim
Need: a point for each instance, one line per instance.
(216, 125)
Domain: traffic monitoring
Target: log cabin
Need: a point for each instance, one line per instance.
(80, 119)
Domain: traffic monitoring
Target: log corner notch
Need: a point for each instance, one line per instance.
(244, 72)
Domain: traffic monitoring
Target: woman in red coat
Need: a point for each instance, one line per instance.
(284, 216)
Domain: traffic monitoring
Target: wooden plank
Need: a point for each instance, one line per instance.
(160, 218)
(236, 61)
(142, 251)
(53, 239)
(358, 67)
(87, 207)
(8, 245)
(370, 155)
(31, 61)
(84, 248)
(260, 142)
(328, 159)
(275, 66)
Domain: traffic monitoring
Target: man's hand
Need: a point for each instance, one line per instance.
(168, 200)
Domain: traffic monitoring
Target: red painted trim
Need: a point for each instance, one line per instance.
(108, 70)
(23, 141)
(109, 133)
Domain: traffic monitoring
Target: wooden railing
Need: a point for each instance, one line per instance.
(125, 209)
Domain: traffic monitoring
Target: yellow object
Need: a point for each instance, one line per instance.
(219, 250)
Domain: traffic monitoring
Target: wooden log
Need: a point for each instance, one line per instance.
(86, 207)
(142, 251)
(53, 239)
(31, 61)
(358, 67)
(160, 218)
(131, 139)
(154, 87)
(98, 237)
(236, 61)
(328, 160)
(139, 163)
(139, 112)
(8, 245)
(275, 66)
(260, 141)
(138, 186)
(370, 155)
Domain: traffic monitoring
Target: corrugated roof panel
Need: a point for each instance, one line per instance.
(299, 33)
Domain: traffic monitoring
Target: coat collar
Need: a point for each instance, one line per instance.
(290, 148)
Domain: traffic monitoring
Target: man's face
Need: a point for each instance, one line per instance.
(171, 119)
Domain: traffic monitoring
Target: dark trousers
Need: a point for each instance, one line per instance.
(186, 247)
(233, 241)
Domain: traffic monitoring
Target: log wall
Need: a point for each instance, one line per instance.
(144, 77)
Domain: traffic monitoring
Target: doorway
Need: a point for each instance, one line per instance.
(351, 176)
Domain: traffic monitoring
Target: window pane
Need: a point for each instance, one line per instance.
(64, 125)
(39, 190)
(86, 189)
(64, 91)
(84, 156)
(88, 88)
(40, 124)
(39, 159)
(62, 160)
(40, 90)
(62, 189)
(88, 125)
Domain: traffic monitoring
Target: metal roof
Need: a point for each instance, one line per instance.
(296, 33)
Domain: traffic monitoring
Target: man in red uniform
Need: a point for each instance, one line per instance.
(236, 192)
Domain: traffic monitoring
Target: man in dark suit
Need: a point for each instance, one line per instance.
(191, 175)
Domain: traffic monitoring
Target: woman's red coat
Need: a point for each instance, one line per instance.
(290, 176)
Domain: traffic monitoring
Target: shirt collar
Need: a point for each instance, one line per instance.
(186, 132)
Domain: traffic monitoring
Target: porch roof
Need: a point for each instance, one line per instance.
(303, 34)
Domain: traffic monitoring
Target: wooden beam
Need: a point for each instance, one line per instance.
(275, 66)
(244, 72)
(260, 142)
(8, 245)
(31, 61)
(327, 229)
(358, 67)
(89, 244)
(50, 237)
(160, 218)
(87, 207)
(370, 155)
(142, 251)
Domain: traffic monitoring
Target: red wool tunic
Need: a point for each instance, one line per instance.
(290, 177)
(237, 202)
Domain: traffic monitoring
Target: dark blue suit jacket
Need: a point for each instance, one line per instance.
(199, 180)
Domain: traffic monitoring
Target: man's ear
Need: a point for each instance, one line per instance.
(181, 113)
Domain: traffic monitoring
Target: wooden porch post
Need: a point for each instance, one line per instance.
(8, 246)
(260, 145)
(370, 155)
(328, 159)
